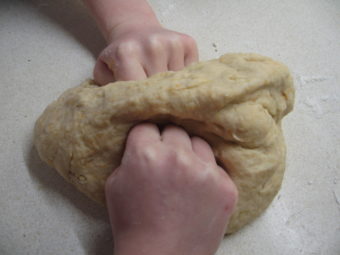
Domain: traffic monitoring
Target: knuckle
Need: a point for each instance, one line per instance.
(149, 153)
(126, 49)
(107, 54)
(182, 160)
(189, 40)
(176, 42)
(155, 44)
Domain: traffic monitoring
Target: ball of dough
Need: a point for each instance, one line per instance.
(235, 103)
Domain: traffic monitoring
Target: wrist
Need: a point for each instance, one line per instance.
(154, 244)
(131, 24)
(147, 242)
(142, 245)
(112, 13)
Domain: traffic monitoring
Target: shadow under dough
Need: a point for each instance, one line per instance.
(74, 18)
(51, 181)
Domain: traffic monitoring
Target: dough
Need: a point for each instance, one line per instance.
(236, 103)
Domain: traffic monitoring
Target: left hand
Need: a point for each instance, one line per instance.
(138, 50)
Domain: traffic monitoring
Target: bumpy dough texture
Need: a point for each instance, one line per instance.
(236, 103)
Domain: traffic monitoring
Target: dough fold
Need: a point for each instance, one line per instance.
(235, 103)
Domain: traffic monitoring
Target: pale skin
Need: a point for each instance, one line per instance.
(168, 196)
(137, 45)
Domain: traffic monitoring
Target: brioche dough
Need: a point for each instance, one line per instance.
(236, 103)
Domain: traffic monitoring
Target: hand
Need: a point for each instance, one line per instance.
(137, 50)
(168, 196)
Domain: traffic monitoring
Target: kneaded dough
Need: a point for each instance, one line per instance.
(235, 103)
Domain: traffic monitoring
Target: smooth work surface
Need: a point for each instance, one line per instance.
(49, 46)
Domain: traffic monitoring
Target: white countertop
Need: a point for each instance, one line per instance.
(49, 46)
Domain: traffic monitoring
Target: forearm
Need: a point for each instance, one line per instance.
(110, 13)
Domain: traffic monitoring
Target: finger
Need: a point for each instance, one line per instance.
(155, 59)
(191, 51)
(176, 57)
(202, 149)
(129, 69)
(143, 134)
(102, 74)
(176, 136)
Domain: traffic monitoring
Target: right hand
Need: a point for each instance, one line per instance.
(168, 196)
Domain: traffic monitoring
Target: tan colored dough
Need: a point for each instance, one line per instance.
(235, 102)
